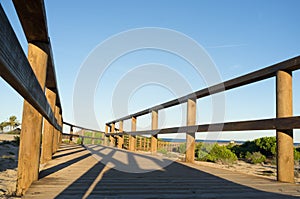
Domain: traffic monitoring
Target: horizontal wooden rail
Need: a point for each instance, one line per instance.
(16, 71)
(73, 135)
(264, 124)
(82, 136)
(80, 127)
(51, 82)
(32, 16)
(265, 73)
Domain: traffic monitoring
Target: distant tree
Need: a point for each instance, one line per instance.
(13, 122)
(215, 153)
(265, 145)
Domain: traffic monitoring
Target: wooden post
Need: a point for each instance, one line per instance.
(132, 139)
(56, 132)
(93, 140)
(154, 126)
(111, 138)
(138, 143)
(106, 138)
(284, 108)
(59, 140)
(71, 133)
(30, 138)
(190, 137)
(120, 137)
(82, 140)
(47, 138)
(145, 143)
(60, 132)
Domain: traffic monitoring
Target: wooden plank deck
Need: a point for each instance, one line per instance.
(79, 173)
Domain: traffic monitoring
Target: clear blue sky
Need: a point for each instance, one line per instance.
(239, 36)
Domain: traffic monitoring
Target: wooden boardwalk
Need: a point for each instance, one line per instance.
(76, 173)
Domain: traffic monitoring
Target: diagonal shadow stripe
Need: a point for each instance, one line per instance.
(135, 162)
(82, 184)
(92, 146)
(108, 158)
(58, 167)
(66, 154)
(68, 148)
(132, 165)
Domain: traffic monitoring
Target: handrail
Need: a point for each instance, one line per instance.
(34, 24)
(16, 70)
(82, 136)
(34, 79)
(264, 124)
(76, 126)
(284, 123)
(265, 73)
(32, 16)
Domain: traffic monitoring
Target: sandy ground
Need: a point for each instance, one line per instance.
(8, 166)
(6, 137)
(262, 170)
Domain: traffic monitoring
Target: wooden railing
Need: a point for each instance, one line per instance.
(35, 80)
(284, 123)
(93, 138)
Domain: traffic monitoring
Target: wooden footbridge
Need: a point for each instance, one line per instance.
(76, 173)
(49, 169)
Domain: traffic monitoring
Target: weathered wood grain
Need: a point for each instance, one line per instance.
(264, 124)
(284, 137)
(56, 132)
(16, 71)
(51, 81)
(32, 123)
(48, 132)
(154, 126)
(132, 137)
(190, 137)
(32, 16)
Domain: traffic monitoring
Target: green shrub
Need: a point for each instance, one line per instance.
(182, 148)
(230, 146)
(296, 156)
(216, 154)
(79, 141)
(67, 141)
(198, 149)
(162, 151)
(88, 140)
(98, 135)
(264, 145)
(202, 149)
(255, 157)
(241, 150)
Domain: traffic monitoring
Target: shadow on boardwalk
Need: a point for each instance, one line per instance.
(174, 180)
